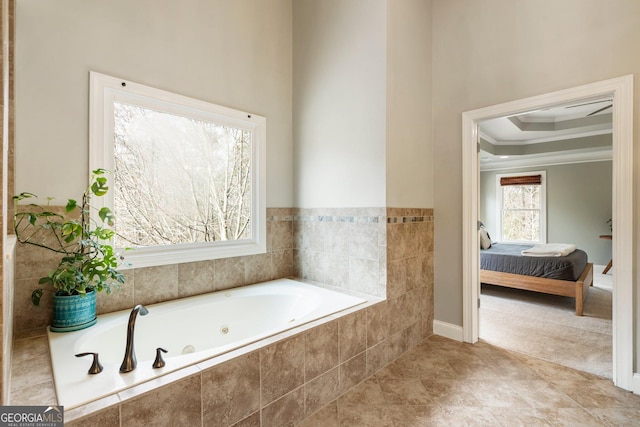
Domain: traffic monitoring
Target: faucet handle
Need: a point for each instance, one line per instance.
(159, 362)
(96, 367)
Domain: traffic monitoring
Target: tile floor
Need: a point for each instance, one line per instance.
(447, 383)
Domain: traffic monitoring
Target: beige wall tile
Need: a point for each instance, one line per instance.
(427, 269)
(415, 271)
(321, 390)
(156, 284)
(279, 212)
(337, 270)
(377, 323)
(382, 270)
(286, 411)
(397, 282)
(352, 334)
(321, 349)
(363, 276)
(397, 345)
(231, 391)
(297, 264)
(399, 314)
(363, 240)
(281, 368)
(118, 299)
(378, 356)
(178, 404)
(229, 273)
(33, 262)
(26, 315)
(353, 372)
(396, 242)
(414, 334)
(337, 239)
(195, 278)
(281, 235)
(411, 239)
(282, 263)
(88, 410)
(106, 418)
(257, 268)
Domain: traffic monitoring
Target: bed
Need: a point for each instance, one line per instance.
(570, 276)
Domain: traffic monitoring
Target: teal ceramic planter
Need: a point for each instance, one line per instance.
(74, 312)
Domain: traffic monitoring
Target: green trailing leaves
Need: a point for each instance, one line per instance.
(82, 237)
(71, 205)
(36, 296)
(99, 186)
(106, 215)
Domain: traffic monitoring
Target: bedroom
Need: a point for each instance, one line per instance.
(568, 148)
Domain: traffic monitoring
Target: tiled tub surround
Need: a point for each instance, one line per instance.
(191, 330)
(157, 284)
(342, 247)
(275, 385)
(285, 381)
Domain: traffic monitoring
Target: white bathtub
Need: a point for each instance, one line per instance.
(191, 329)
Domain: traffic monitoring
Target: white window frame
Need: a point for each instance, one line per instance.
(104, 91)
(542, 238)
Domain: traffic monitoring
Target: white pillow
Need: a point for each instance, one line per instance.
(485, 239)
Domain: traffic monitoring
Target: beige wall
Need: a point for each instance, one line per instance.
(494, 51)
(362, 103)
(409, 125)
(233, 53)
(339, 96)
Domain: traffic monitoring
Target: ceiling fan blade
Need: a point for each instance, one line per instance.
(588, 103)
(601, 109)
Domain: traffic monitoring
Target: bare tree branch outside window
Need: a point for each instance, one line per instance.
(179, 180)
(521, 213)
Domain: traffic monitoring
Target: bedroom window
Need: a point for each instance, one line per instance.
(188, 177)
(521, 207)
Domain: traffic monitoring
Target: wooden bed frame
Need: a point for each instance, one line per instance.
(567, 288)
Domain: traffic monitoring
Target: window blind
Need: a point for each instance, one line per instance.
(521, 180)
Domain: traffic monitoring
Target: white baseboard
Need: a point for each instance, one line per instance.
(448, 330)
(635, 383)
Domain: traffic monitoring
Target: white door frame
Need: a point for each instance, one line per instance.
(621, 90)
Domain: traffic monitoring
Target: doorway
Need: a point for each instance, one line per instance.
(620, 90)
(546, 177)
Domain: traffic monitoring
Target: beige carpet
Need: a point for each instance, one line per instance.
(546, 327)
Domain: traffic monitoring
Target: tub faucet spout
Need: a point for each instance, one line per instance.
(129, 363)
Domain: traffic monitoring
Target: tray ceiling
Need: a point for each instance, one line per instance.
(578, 132)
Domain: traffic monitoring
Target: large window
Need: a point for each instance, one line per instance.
(521, 206)
(188, 176)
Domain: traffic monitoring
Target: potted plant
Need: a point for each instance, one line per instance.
(82, 237)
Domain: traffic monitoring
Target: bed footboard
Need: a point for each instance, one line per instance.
(577, 289)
